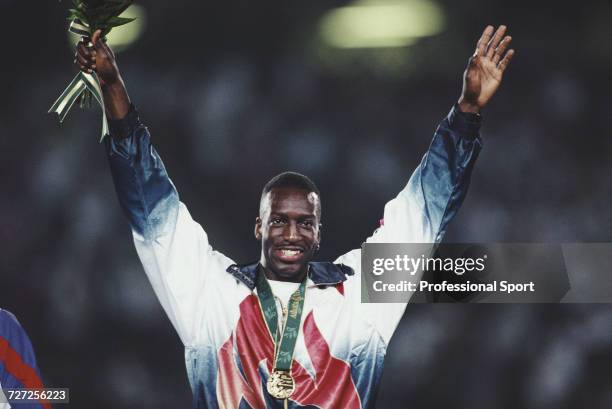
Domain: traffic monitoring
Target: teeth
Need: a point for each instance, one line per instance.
(290, 252)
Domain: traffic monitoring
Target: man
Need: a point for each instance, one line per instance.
(18, 368)
(284, 331)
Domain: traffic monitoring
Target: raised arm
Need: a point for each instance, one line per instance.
(422, 211)
(173, 248)
(141, 181)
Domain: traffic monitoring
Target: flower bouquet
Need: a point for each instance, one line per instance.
(86, 17)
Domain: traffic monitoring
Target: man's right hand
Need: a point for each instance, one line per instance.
(101, 60)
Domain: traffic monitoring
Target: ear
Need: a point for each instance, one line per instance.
(258, 228)
(319, 235)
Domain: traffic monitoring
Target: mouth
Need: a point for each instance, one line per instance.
(288, 254)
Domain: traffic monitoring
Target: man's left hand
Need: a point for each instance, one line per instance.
(485, 69)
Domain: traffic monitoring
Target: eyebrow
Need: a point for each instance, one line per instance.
(299, 217)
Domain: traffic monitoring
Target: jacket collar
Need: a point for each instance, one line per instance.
(322, 273)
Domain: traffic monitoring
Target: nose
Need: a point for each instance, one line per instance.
(290, 233)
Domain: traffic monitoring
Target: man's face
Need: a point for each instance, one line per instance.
(288, 227)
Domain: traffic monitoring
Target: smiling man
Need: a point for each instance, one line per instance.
(284, 331)
(288, 226)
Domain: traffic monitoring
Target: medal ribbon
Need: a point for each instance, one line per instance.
(83, 82)
(284, 343)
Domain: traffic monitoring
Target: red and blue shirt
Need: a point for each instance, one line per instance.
(17, 361)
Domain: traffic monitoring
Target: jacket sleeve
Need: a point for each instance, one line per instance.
(422, 211)
(173, 248)
(18, 367)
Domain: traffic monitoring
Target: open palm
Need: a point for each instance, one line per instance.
(485, 69)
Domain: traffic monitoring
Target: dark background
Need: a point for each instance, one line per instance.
(237, 91)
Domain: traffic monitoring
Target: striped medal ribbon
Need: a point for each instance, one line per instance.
(281, 384)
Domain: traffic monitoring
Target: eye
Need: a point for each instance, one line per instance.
(276, 221)
(307, 223)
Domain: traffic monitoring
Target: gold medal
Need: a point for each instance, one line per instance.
(280, 384)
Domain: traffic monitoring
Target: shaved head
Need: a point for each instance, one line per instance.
(295, 181)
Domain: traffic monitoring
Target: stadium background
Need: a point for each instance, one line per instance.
(235, 92)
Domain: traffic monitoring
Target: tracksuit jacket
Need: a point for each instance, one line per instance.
(212, 303)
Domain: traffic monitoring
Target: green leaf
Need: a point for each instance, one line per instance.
(103, 16)
(100, 14)
(74, 14)
(119, 21)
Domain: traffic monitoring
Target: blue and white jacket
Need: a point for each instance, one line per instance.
(211, 301)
